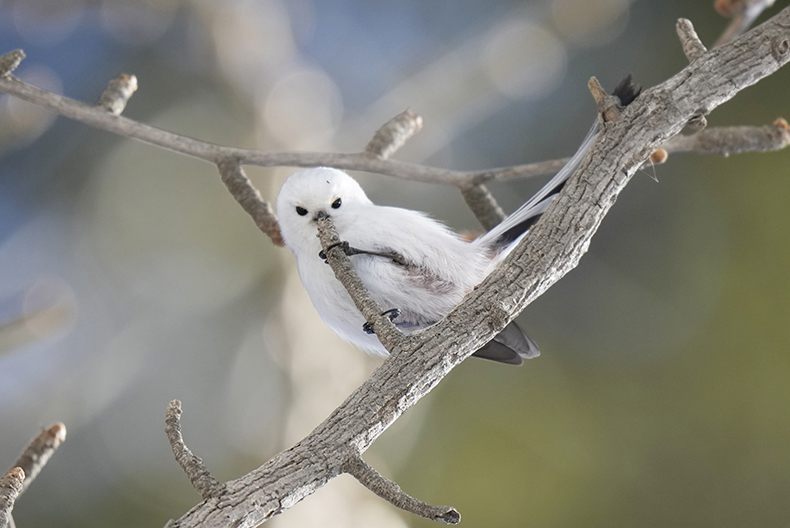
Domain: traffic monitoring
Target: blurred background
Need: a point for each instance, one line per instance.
(129, 277)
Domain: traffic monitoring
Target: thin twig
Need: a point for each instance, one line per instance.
(341, 265)
(483, 205)
(393, 135)
(733, 140)
(99, 118)
(10, 61)
(517, 172)
(38, 452)
(10, 488)
(192, 465)
(392, 493)
(692, 45)
(213, 153)
(249, 198)
(608, 105)
(117, 93)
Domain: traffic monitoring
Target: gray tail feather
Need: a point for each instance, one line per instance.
(511, 346)
(528, 214)
(525, 216)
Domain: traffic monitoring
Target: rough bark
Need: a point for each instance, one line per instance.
(552, 248)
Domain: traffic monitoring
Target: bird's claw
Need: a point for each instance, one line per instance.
(342, 245)
(393, 314)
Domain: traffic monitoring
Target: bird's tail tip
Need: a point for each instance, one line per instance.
(627, 90)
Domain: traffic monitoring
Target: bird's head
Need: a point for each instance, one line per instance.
(308, 195)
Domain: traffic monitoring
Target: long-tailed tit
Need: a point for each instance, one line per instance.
(413, 266)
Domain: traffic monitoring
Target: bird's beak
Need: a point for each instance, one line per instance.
(320, 215)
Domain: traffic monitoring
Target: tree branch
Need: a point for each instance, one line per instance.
(392, 493)
(27, 467)
(393, 135)
(99, 118)
(341, 265)
(608, 105)
(734, 140)
(10, 61)
(553, 247)
(10, 489)
(192, 465)
(38, 452)
(483, 205)
(248, 197)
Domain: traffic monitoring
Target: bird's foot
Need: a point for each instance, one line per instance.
(392, 314)
(347, 249)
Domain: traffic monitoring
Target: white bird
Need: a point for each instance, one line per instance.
(414, 267)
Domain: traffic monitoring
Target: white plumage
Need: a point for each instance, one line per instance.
(420, 267)
(435, 268)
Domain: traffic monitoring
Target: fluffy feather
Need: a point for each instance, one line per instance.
(440, 268)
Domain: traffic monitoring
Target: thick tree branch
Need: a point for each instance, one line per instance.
(553, 247)
(392, 493)
(192, 465)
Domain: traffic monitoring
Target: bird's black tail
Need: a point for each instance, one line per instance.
(511, 346)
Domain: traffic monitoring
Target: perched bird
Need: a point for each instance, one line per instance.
(414, 267)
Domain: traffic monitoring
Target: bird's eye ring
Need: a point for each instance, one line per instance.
(301, 211)
(336, 204)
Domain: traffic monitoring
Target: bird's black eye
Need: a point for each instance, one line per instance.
(301, 211)
(336, 204)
